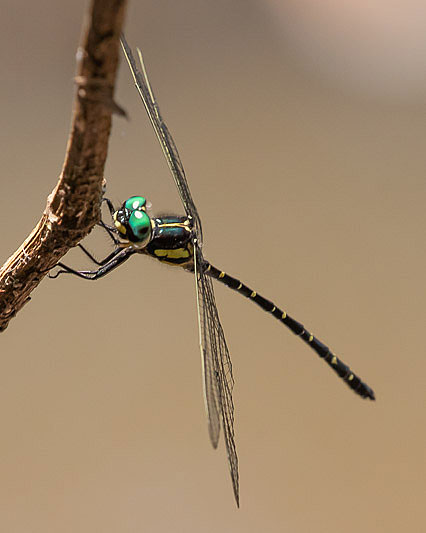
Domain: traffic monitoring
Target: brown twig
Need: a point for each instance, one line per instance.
(73, 207)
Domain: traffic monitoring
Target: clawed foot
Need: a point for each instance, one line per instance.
(57, 273)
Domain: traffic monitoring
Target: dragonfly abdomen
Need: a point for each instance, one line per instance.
(341, 369)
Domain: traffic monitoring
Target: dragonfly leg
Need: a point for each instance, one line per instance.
(110, 230)
(102, 262)
(112, 262)
(111, 255)
(111, 208)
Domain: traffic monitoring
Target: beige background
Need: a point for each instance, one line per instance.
(303, 135)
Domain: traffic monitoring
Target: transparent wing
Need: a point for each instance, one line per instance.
(163, 135)
(217, 368)
(210, 386)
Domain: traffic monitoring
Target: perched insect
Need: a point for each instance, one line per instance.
(178, 240)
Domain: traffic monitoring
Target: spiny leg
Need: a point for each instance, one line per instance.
(108, 264)
(110, 230)
(116, 259)
(111, 208)
(102, 262)
(342, 370)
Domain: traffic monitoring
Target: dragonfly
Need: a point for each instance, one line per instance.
(178, 241)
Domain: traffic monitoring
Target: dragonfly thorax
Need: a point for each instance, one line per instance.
(133, 222)
(172, 240)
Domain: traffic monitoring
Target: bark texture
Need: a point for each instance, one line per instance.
(73, 207)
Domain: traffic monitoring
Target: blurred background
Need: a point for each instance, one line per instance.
(302, 128)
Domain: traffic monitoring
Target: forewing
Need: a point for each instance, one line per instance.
(163, 135)
(217, 366)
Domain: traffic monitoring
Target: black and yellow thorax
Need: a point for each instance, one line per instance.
(171, 241)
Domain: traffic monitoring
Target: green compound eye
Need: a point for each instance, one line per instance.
(140, 224)
(135, 203)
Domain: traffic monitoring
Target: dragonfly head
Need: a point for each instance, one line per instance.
(133, 223)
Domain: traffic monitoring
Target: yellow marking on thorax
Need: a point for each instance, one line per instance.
(119, 225)
(183, 225)
(284, 315)
(178, 253)
(334, 360)
(222, 275)
(311, 338)
(253, 294)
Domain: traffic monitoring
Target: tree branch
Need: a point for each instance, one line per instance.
(73, 207)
